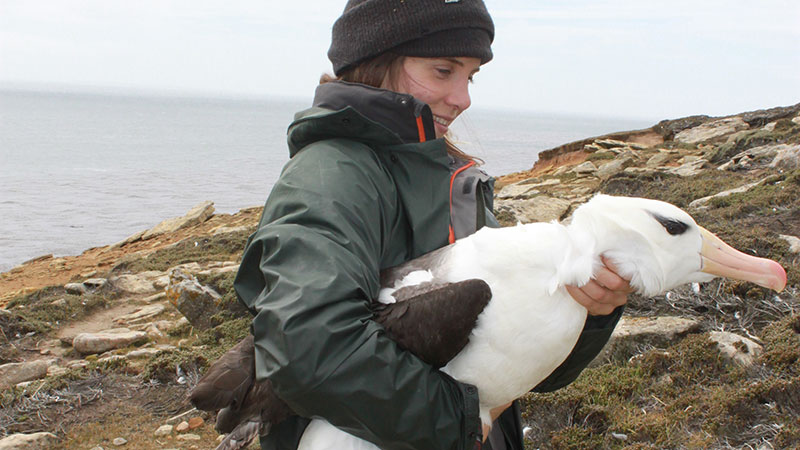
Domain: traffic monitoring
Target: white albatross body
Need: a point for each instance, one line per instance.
(531, 324)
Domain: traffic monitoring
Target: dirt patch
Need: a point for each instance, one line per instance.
(101, 320)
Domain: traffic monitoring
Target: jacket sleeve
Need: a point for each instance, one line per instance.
(308, 274)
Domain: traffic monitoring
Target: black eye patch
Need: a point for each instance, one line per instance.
(673, 226)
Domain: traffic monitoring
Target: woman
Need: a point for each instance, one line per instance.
(370, 184)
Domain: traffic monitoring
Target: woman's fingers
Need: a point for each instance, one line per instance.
(594, 307)
(604, 293)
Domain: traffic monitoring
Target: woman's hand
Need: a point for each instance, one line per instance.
(494, 413)
(604, 293)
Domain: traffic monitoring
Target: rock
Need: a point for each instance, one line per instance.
(163, 430)
(711, 130)
(75, 288)
(746, 159)
(190, 268)
(632, 333)
(181, 427)
(53, 370)
(154, 298)
(585, 168)
(796, 120)
(196, 215)
(93, 284)
(195, 422)
(153, 332)
(196, 302)
(516, 191)
(794, 243)
(89, 343)
(737, 348)
(30, 441)
(770, 126)
(613, 167)
(13, 373)
(133, 284)
(689, 169)
(130, 239)
(119, 441)
(234, 267)
(141, 314)
(78, 364)
(787, 157)
(689, 159)
(541, 208)
(188, 437)
(142, 353)
(610, 143)
(591, 148)
(657, 160)
(700, 202)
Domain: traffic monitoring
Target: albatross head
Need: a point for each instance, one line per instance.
(660, 247)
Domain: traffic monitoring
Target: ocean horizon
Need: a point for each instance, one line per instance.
(87, 169)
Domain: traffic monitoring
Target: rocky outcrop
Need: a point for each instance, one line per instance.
(739, 349)
(198, 214)
(634, 333)
(14, 373)
(89, 343)
(32, 441)
(198, 303)
(711, 130)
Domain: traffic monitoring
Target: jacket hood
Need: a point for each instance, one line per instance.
(362, 113)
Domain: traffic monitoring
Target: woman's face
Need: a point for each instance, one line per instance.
(442, 83)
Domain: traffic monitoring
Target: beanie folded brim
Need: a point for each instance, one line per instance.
(467, 42)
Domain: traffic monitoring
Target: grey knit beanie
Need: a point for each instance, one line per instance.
(427, 28)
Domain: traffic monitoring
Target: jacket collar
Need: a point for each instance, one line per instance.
(402, 114)
(362, 113)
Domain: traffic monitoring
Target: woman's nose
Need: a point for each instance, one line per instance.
(459, 96)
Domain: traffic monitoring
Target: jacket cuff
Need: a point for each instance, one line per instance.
(472, 419)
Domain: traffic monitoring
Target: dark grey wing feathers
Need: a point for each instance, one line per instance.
(436, 323)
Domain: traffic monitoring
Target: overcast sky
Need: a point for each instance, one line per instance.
(648, 59)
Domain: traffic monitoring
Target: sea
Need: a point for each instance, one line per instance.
(87, 169)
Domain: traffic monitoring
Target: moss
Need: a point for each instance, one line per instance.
(164, 365)
(575, 438)
(600, 156)
(45, 309)
(785, 131)
(505, 218)
(680, 191)
(226, 335)
(219, 247)
(782, 346)
(228, 303)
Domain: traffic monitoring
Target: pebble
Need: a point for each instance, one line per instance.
(119, 441)
(181, 427)
(163, 430)
(195, 422)
(188, 437)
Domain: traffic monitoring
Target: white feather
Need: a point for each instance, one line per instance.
(414, 278)
(531, 324)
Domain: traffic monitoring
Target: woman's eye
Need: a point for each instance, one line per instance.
(444, 72)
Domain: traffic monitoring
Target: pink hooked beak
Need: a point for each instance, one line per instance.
(723, 260)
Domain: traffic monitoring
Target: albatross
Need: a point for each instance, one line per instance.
(512, 282)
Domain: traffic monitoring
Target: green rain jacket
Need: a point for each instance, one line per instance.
(367, 187)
